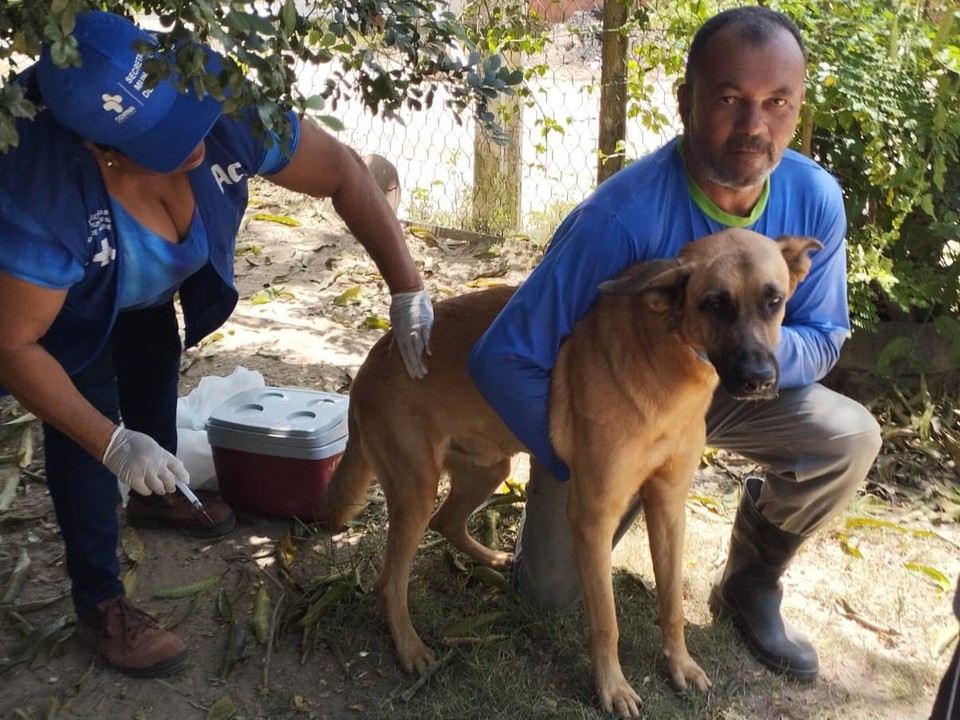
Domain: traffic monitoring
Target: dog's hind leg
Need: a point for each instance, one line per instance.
(410, 487)
(664, 502)
(470, 485)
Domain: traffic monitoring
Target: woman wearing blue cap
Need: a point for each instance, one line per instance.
(118, 197)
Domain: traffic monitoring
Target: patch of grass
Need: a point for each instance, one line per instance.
(540, 225)
(533, 663)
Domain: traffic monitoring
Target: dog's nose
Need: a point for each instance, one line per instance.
(764, 387)
(751, 380)
(761, 382)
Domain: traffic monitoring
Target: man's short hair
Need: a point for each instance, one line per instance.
(754, 24)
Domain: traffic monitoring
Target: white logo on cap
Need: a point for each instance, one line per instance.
(112, 102)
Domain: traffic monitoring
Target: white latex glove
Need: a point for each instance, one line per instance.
(411, 315)
(138, 461)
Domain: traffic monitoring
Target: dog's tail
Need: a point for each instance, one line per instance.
(347, 491)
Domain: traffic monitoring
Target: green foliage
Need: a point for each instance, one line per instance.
(427, 47)
(882, 91)
(541, 224)
(869, 267)
(427, 209)
(663, 35)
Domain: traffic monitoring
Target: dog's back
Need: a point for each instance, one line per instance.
(395, 420)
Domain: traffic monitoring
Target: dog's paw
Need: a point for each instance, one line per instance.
(618, 697)
(687, 675)
(415, 657)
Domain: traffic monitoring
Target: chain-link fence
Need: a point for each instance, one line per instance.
(440, 159)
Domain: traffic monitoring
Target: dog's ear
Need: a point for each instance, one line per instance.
(795, 251)
(659, 281)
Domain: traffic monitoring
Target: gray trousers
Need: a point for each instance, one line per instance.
(817, 447)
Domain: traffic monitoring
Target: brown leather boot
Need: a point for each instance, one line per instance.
(174, 511)
(129, 639)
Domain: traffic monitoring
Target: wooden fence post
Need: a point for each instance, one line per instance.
(613, 89)
(497, 168)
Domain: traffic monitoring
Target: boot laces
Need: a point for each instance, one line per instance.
(134, 622)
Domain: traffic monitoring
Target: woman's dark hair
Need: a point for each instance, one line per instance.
(755, 25)
(31, 87)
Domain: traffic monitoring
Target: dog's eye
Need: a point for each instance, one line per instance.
(774, 303)
(716, 304)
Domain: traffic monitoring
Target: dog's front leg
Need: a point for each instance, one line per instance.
(664, 504)
(594, 514)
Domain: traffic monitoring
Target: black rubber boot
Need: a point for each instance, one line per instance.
(749, 590)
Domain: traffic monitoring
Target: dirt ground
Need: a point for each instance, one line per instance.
(302, 322)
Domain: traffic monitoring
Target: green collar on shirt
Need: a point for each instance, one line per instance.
(712, 211)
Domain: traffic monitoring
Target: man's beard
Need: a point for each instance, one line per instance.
(714, 169)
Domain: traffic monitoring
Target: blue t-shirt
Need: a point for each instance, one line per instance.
(650, 210)
(154, 267)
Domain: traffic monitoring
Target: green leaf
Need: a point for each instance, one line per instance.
(269, 294)
(280, 219)
(945, 637)
(64, 52)
(288, 19)
(351, 296)
(182, 591)
(471, 624)
(222, 709)
(855, 522)
(938, 577)
(8, 134)
(314, 102)
(36, 642)
(374, 322)
(332, 122)
(849, 546)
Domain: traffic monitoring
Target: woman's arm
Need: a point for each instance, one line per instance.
(33, 376)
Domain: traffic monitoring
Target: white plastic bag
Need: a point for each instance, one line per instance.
(194, 409)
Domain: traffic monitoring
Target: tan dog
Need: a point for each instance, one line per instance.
(628, 398)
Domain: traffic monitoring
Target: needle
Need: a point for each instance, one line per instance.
(194, 500)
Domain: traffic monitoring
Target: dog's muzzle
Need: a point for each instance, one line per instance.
(751, 376)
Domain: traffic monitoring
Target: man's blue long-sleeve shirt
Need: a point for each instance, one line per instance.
(649, 210)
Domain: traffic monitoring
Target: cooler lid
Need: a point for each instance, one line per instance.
(302, 418)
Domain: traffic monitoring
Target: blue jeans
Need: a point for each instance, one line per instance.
(135, 377)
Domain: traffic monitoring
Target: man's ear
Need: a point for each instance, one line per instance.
(683, 101)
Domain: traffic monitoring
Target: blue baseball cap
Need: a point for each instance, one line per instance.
(106, 100)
